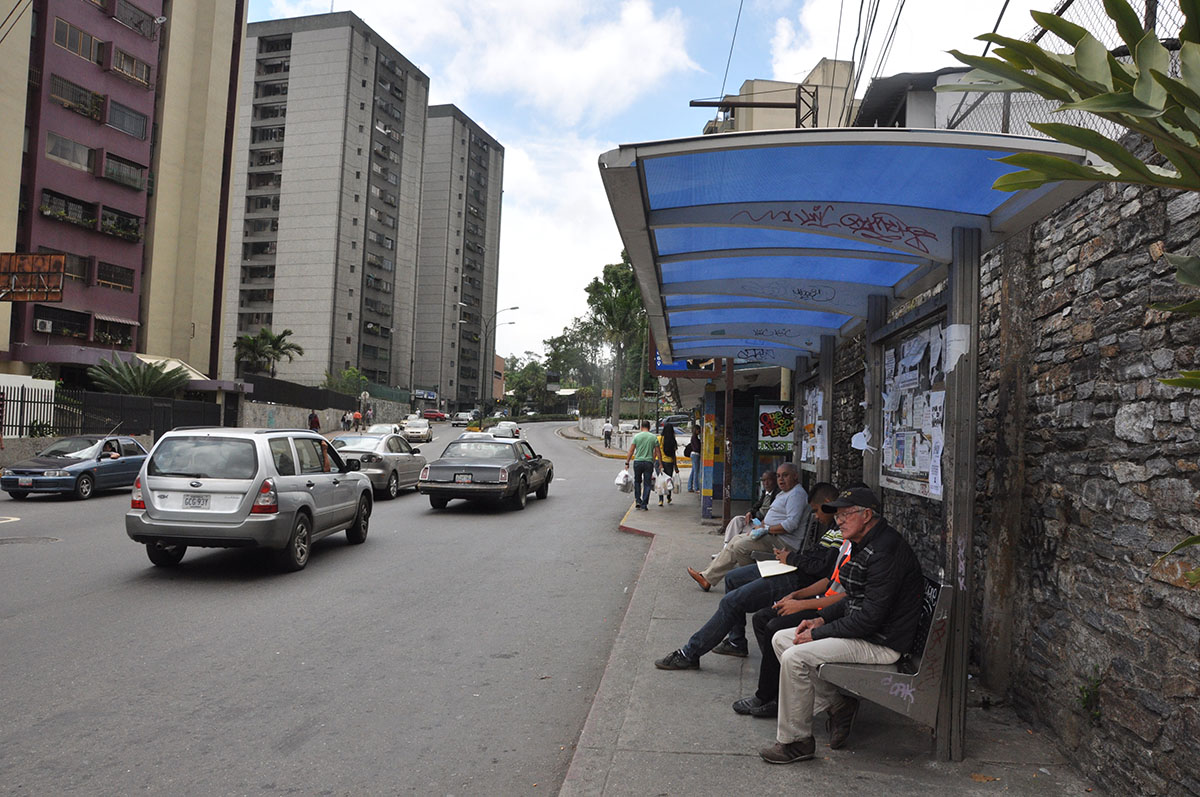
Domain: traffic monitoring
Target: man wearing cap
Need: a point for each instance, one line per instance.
(873, 624)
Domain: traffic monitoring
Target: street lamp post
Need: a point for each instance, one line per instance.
(485, 358)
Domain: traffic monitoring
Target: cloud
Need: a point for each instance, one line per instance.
(557, 235)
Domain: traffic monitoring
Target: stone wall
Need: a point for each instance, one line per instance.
(846, 463)
(256, 415)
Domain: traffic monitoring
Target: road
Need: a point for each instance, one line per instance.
(455, 652)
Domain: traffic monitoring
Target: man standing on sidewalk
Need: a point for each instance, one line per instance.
(608, 430)
(645, 455)
(782, 527)
(873, 624)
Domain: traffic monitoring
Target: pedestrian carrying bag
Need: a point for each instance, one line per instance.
(624, 481)
(687, 450)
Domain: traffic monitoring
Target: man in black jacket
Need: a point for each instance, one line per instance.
(873, 624)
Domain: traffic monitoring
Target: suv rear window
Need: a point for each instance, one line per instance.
(204, 458)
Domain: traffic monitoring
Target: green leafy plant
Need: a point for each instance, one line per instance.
(137, 378)
(261, 352)
(1089, 696)
(351, 381)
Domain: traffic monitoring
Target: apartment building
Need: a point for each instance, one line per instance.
(325, 198)
(96, 171)
(458, 260)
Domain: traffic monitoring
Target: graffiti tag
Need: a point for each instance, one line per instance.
(756, 354)
(879, 226)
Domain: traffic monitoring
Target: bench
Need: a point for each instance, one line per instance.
(912, 686)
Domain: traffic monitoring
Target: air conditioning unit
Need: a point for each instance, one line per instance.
(43, 325)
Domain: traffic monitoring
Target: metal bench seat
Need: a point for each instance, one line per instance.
(913, 685)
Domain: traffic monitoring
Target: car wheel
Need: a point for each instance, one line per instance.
(165, 555)
(84, 487)
(18, 495)
(544, 490)
(393, 485)
(357, 533)
(295, 555)
(522, 497)
(438, 502)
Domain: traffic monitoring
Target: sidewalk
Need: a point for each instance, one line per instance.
(596, 446)
(660, 732)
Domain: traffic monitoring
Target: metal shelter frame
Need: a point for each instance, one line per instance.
(774, 246)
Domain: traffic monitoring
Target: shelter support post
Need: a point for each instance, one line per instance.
(727, 429)
(825, 381)
(958, 469)
(877, 309)
(803, 367)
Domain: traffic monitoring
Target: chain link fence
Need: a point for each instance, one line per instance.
(1013, 113)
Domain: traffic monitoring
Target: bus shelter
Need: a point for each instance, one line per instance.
(775, 246)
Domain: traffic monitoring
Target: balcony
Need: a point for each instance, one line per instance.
(70, 217)
(121, 225)
(76, 98)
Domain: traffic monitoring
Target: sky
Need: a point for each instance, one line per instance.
(559, 82)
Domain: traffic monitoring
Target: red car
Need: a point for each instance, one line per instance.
(433, 415)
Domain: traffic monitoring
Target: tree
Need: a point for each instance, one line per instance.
(615, 303)
(350, 381)
(576, 353)
(137, 378)
(1140, 96)
(261, 352)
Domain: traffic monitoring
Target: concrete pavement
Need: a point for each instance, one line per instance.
(673, 732)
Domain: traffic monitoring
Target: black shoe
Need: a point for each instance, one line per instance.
(841, 721)
(677, 661)
(724, 648)
(748, 705)
(780, 753)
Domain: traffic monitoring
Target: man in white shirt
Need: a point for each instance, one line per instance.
(608, 430)
(781, 528)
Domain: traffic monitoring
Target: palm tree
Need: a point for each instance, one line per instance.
(258, 353)
(137, 378)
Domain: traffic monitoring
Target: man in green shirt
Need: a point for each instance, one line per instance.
(645, 454)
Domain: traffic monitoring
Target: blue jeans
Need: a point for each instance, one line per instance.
(643, 480)
(745, 593)
(695, 478)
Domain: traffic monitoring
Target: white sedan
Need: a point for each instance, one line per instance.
(418, 429)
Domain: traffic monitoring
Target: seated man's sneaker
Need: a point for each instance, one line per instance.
(780, 753)
(753, 707)
(841, 720)
(724, 648)
(677, 661)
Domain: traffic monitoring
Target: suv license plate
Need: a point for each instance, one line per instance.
(196, 501)
(462, 478)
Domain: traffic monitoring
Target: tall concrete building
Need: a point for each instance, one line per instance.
(458, 260)
(101, 183)
(325, 199)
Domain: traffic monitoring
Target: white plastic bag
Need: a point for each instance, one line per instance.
(660, 483)
(624, 481)
(676, 484)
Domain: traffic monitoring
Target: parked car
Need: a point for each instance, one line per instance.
(433, 415)
(680, 422)
(486, 469)
(279, 489)
(418, 429)
(461, 419)
(386, 459)
(77, 465)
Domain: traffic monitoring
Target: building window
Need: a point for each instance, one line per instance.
(113, 333)
(68, 209)
(121, 225)
(76, 98)
(117, 277)
(77, 41)
(125, 172)
(76, 265)
(131, 16)
(127, 120)
(131, 67)
(68, 152)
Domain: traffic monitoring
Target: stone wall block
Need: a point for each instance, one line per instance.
(1115, 706)
(1134, 422)
(1183, 207)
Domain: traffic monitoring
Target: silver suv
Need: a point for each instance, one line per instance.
(280, 489)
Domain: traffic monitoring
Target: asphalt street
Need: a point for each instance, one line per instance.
(455, 652)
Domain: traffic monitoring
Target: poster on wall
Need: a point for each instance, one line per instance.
(814, 432)
(914, 401)
(776, 427)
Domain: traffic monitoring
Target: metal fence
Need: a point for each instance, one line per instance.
(49, 412)
(277, 391)
(1012, 113)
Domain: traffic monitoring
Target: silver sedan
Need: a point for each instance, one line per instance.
(386, 459)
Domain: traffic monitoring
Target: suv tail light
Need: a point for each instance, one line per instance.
(267, 501)
(135, 498)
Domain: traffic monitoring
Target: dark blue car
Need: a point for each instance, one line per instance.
(77, 465)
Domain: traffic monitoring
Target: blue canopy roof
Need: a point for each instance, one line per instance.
(754, 245)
